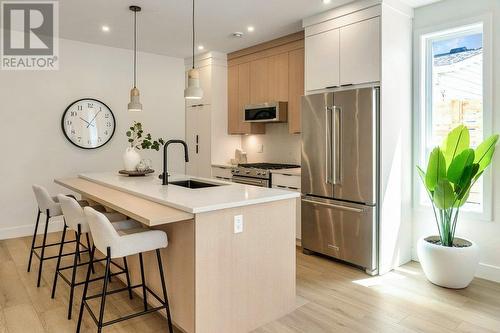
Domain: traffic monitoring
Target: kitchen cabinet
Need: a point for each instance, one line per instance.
(322, 59)
(259, 81)
(222, 172)
(290, 182)
(360, 52)
(268, 72)
(278, 77)
(295, 88)
(198, 141)
(239, 96)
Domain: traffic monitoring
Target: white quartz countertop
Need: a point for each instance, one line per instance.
(228, 195)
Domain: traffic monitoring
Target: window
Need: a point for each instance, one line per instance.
(452, 90)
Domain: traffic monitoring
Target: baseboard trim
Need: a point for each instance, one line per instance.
(484, 271)
(55, 225)
(488, 272)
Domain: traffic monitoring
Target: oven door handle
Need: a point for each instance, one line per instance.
(248, 181)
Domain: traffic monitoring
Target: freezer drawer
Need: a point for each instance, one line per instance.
(341, 230)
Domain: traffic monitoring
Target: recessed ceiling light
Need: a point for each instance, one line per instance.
(327, 1)
(237, 34)
(250, 28)
(105, 28)
(201, 47)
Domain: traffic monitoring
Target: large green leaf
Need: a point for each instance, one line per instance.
(484, 152)
(456, 142)
(436, 169)
(459, 202)
(459, 165)
(466, 180)
(444, 197)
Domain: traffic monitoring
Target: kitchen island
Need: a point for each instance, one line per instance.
(219, 278)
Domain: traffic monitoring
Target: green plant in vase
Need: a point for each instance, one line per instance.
(452, 171)
(137, 140)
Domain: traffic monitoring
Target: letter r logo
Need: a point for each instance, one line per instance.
(28, 28)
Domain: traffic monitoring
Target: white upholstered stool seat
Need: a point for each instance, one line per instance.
(51, 208)
(120, 244)
(75, 219)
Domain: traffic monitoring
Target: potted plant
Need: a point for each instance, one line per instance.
(453, 169)
(137, 141)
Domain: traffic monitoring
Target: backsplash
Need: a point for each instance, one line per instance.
(278, 145)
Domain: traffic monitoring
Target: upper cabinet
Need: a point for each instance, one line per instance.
(323, 60)
(269, 72)
(360, 52)
(343, 51)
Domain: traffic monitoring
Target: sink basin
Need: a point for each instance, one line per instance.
(190, 183)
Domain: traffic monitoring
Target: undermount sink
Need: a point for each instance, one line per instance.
(190, 183)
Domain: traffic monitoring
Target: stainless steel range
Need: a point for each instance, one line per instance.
(257, 174)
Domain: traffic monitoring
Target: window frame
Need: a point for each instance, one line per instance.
(421, 103)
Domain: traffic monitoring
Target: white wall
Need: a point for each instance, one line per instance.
(486, 234)
(279, 146)
(34, 149)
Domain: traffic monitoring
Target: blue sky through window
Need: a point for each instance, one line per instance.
(474, 41)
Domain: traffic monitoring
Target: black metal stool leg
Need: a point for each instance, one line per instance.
(43, 249)
(104, 289)
(78, 248)
(34, 238)
(127, 275)
(88, 246)
(164, 288)
(143, 281)
(85, 289)
(58, 261)
(73, 274)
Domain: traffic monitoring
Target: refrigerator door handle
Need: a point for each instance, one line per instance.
(337, 154)
(328, 145)
(340, 207)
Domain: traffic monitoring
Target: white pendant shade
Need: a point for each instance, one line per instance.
(193, 90)
(135, 101)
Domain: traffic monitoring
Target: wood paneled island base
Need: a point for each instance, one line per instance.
(218, 280)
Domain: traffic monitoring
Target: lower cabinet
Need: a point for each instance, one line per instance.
(290, 183)
(222, 172)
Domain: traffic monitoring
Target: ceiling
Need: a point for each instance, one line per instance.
(164, 26)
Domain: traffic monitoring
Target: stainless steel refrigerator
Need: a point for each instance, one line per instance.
(339, 175)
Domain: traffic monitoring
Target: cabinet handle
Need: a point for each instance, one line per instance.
(196, 149)
(197, 139)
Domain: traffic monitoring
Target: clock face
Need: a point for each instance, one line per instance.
(88, 123)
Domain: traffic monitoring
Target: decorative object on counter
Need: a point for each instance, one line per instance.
(136, 173)
(193, 90)
(144, 165)
(137, 141)
(135, 102)
(88, 123)
(239, 157)
(452, 171)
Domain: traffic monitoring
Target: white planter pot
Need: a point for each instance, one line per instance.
(450, 267)
(131, 158)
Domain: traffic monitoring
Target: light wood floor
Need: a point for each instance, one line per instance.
(331, 298)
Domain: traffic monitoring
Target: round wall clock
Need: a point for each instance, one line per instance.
(88, 123)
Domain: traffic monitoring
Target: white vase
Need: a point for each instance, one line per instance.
(450, 267)
(131, 158)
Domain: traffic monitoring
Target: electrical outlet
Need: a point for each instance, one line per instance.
(260, 148)
(238, 224)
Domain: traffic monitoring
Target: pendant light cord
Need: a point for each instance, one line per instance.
(135, 48)
(193, 34)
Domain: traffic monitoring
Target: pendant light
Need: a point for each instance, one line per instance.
(135, 102)
(193, 90)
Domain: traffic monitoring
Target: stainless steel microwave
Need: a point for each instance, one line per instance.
(272, 112)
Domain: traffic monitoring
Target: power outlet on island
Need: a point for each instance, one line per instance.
(238, 224)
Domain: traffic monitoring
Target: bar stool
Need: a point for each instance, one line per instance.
(51, 208)
(75, 220)
(116, 244)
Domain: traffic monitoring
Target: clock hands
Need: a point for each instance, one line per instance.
(86, 122)
(93, 119)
